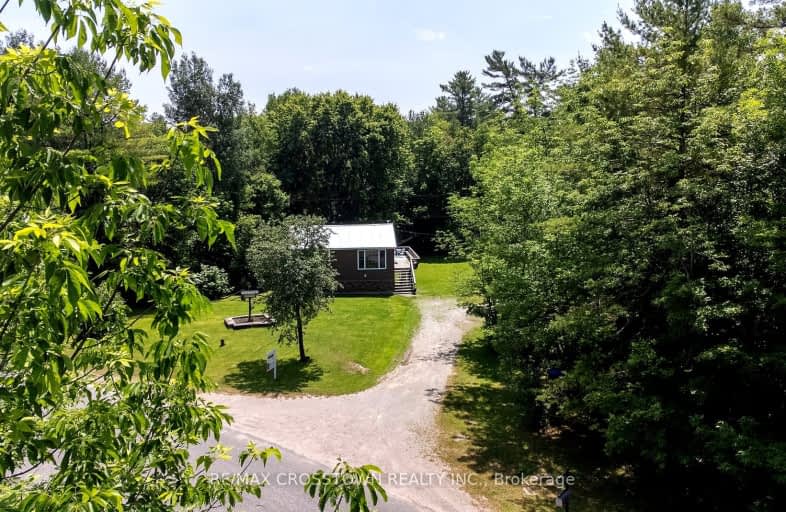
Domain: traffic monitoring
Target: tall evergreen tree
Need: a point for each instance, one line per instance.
(463, 101)
(539, 84)
(505, 86)
(529, 87)
(192, 92)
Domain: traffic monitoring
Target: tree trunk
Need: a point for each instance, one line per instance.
(302, 348)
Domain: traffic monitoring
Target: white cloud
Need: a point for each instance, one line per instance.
(429, 36)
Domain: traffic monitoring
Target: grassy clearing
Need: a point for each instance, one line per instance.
(437, 278)
(351, 347)
(480, 433)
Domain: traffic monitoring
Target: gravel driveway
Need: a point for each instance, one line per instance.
(390, 425)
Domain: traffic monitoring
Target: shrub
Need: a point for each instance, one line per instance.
(213, 282)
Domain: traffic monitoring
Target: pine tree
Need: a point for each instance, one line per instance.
(505, 87)
(464, 101)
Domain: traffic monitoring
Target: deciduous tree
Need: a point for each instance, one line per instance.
(111, 410)
(339, 156)
(291, 262)
(636, 245)
(194, 93)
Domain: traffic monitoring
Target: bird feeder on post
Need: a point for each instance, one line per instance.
(249, 296)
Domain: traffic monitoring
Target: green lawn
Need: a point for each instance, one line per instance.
(480, 432)
(351, 347)
(437, 278)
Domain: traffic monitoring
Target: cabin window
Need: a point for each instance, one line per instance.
(372, 259)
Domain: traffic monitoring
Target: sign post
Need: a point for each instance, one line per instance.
(271, 362)
(249, 295)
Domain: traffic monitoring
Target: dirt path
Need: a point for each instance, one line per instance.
(390, 425)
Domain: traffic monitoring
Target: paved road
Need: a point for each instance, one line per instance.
(284, 490)
(284, 479)
(391, 425)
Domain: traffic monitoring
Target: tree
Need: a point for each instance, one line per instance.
(246, 187)
(111, 411)
(346, 485)
(506, 88)
(539, 84)
(464, 102)
(116, 78)
(291, 262)
(442, 152)
(17, 39)
(639, 250)
(262, 194)
(193, 93)
(338, 156)
(528, 87)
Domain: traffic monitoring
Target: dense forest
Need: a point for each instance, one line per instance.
(624, 215)
(627, 233)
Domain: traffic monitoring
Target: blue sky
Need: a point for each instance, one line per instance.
(396, 51)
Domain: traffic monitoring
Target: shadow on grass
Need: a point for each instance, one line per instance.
(499, 442)
(293, 376)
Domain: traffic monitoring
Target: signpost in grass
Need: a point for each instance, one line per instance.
(249, 295)
(271, 362)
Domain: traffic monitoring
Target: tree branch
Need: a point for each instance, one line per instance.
(11, 315)
(71, 143)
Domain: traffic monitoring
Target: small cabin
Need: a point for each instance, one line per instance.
(369, 260)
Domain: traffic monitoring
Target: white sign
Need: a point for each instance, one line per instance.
(271, 362)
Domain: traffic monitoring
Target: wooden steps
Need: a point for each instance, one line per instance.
(403, 282)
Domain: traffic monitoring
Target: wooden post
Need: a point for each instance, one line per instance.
(249, 295)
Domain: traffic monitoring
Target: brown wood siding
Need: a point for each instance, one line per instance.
(353, 280)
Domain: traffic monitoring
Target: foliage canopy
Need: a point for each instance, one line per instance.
(111, 414)
(634, 240)
(291, 262)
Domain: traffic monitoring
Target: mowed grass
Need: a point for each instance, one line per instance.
(480, 432)
(437, 278)
(351, 347)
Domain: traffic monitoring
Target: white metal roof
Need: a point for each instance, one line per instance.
(359, 236)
